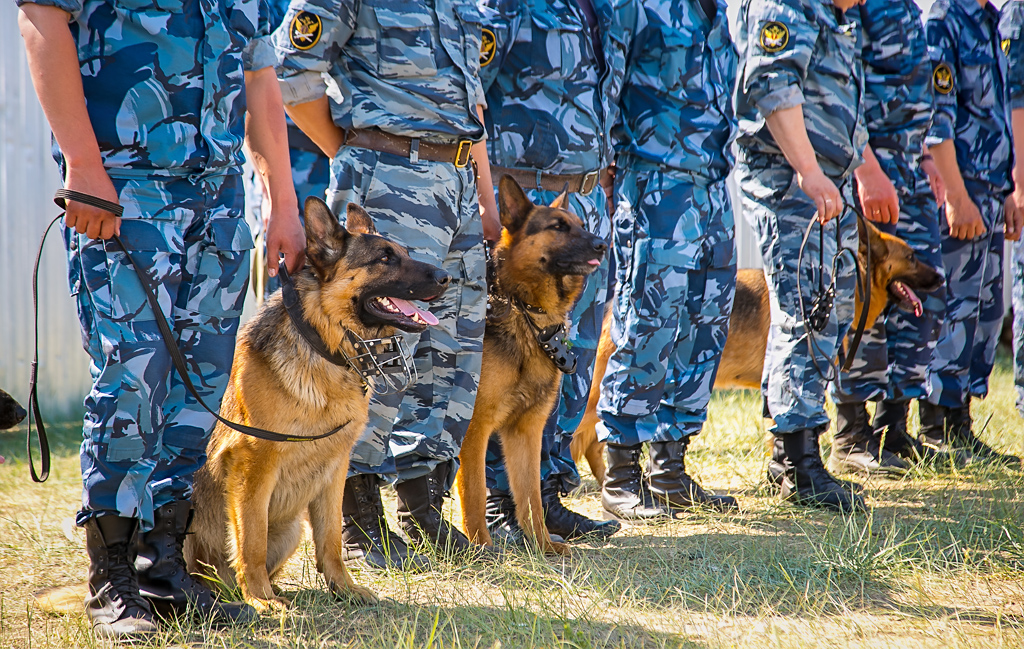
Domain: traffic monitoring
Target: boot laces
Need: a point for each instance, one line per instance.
(122, 580)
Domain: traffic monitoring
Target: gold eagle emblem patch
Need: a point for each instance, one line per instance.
(1005, 44)
(305, 30)
(942, 79)
(488, 47)
(774, 37)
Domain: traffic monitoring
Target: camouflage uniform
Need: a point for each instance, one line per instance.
(1010, 31)
(973, 109)
(892, 360)
(166, 101)
(411, 71)
(552, 99)
(796, 52)
(673, 227)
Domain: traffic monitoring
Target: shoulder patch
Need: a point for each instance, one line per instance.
(774, 37)
(488, 47)
(1005, 44)
(942, 79)
(305, 30)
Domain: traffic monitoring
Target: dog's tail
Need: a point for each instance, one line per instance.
(62, 599)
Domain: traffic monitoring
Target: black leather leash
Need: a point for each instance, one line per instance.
(177, 358)
(864, 290)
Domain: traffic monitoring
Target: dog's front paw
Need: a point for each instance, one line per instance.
(359, 594)
(267, 604)
(557, 548)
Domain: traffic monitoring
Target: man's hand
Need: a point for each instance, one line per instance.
(285, 236)
(824, 193)
(878, 197)
(934, 180)
(85, 219)
(1014, 218)
(964, 218)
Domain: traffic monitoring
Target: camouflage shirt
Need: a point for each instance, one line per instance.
(677, 98)
(1011, 31)
(552, 98)
(897, 86)
(408, 68)
(795, 52)
(972, 98)
(163, 81)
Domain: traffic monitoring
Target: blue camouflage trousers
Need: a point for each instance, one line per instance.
(432, 208)
(675, 259)
(966, 348)
(793, 384)
(586, 319)
(893, 357)
(1018, 322)
(144, 436)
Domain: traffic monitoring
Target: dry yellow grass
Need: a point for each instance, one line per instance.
(939, 562)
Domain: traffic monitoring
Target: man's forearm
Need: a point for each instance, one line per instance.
(56, 75)
(314, 118)
(1018, 146)
(790, 133)
(944, 155)
(267, 135)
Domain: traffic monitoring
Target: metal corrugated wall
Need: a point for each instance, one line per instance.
(28, 178)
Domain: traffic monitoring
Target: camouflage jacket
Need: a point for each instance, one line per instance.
(164, 82)
(972, 98)
(402, 67)
(552, 98)
(897, 86)
(677, 98)
(795, 52)
(1011, 33)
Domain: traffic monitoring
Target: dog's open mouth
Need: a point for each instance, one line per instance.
(400, 313)
(906, 298)
(577, 266)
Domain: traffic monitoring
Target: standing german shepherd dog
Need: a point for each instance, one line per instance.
(252, 495)
(896, 273)
(540, 265)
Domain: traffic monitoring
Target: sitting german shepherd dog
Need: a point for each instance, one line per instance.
(896, 275)
(540, 265)
(252, 494)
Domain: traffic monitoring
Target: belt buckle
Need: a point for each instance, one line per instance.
(465, 148)
(589, 182)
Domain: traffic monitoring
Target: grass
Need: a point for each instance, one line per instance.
(938, 562)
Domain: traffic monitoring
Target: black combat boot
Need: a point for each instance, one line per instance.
(420, 501)
(502, 523)
(164, 579)
(934, 434)
(807, 482)
(854, 447)
(367, 540)
(672, 486)
(960, 434)
(566, 523)
(779, 464)
(625, 495)
(114, 605)
(890, 426)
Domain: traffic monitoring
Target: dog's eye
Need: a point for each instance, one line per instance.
(385, 258)
(561, 226)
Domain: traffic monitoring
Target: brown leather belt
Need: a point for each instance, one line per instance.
(578, 183)
(409, 147)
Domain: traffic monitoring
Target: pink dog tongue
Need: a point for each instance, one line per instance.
(909, 296)
(410, 309)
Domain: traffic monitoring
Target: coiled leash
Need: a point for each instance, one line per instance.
(177, 358)
(816, 318)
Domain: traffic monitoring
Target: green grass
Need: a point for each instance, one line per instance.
(938, 562)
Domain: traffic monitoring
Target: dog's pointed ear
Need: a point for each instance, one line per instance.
(357, 221)
(513, 204)
(325, 238)
(868, 234)
(561, 200)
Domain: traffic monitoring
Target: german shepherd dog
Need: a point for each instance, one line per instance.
(540, 266)
(252, 495)
(896, 275)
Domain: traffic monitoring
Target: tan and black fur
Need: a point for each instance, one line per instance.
(252, 495)
(893, 263)
(542, 259)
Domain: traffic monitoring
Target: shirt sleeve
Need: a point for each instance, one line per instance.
(73, 7)
(1013, 45)
(943, 54)
(307, 43)
(259, 53)
(502, 20)
(781, 37)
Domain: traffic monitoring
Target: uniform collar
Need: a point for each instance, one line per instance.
(976, 12)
